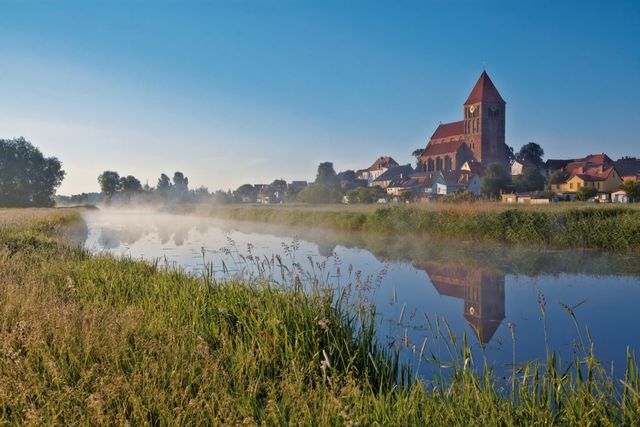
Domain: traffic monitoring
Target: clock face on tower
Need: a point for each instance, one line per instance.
(472, 109)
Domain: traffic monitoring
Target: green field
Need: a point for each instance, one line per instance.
(97, 340)
(559, 225)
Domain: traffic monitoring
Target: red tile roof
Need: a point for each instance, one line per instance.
(597, 158)
(484, 90)
(441, 148)
(383, 162)
(446, 130)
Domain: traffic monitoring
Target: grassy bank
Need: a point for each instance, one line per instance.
(87, 339)
(562, 226)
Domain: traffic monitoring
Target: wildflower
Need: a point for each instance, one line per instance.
(541, 302)
(324, 324)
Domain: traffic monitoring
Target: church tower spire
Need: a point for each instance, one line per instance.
(484, 122)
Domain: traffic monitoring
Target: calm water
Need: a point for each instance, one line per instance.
(479, 289)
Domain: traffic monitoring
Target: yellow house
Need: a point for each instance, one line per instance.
(603, 179)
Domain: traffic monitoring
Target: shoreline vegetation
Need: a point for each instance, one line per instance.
(100, 340)
(611, 228)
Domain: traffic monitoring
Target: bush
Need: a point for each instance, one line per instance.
(585, 193)
(366, 194)
(319, 193)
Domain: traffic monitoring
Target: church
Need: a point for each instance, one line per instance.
(479, 138)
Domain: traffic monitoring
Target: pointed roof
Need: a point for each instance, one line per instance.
(484, 90)
(446, 130)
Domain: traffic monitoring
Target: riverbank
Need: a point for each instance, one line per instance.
(611, 228)
(94, 339)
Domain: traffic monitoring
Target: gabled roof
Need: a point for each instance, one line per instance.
(383, 162)
(475, 167)
(442, 148)
(395, 173)
(557, 164)
(628, 167)
(447, 130)
(597, 158)
(484, 90)
(462, 178)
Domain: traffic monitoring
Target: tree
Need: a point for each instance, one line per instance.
(279, 183)
(531, 153)
(246, 191)
(632, 188)
(109, 183)
(27, 178)
(417, 153)
(327, 175)
(366, 194)
(130, 184)
(554, 178)
(180, 182)
(510, 154)
(318, 193)
(530, 180)
(164, 184)
(349, 175)
(585, 193)
(496, 179)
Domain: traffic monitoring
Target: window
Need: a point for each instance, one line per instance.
(571, 185)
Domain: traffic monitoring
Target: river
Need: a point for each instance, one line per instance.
(413, 282)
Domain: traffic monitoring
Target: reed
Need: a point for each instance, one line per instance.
(97, 340)
(604, 227)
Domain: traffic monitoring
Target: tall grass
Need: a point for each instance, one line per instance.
(608, 228)
(98, 340)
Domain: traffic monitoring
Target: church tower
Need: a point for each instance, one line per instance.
(484, 114)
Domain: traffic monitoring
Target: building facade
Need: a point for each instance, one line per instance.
(479, 137)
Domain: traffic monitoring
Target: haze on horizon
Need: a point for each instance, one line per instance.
(249, 91)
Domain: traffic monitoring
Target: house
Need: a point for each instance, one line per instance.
(628, 168)
(605, 179)
(619, 196)
(518, 167)
(448, 182)
(473, 167)
(528, 198)
(392, 174)
(380, 166)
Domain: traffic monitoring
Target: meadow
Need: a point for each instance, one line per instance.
(559, 225)
(91, 339)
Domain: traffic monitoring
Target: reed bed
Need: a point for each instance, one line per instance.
(611, 228)
(97, 340)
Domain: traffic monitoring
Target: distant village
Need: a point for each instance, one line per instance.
(470, 158)
(463, 160)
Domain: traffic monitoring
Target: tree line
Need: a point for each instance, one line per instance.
(27, 177)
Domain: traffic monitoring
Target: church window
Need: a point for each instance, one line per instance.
(438, 163)
(447, 163)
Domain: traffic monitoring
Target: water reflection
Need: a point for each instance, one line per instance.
(482, 292)
(477, 288)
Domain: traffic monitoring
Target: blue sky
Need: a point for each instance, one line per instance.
(248, 91)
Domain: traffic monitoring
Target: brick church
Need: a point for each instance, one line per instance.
(479, 138)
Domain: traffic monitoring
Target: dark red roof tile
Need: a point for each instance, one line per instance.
(447, 130)
(484, 90)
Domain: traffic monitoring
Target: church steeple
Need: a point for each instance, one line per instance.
(484, 91)
(484, 122)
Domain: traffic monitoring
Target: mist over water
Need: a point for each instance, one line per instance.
(411, 281)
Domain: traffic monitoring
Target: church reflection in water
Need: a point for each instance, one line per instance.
(482, 291)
